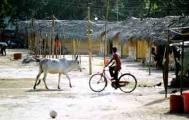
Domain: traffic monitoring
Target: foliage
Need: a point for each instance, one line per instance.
(77, 9)
(4, 10)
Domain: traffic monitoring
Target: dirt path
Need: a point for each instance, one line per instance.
(18, 101)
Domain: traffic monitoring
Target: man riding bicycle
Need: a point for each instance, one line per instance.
(115, 66)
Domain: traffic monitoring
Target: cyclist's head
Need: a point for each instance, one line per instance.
(114, 49)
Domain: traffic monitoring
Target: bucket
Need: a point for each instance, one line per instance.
(186, 101)
(17, 56)
(176, 104)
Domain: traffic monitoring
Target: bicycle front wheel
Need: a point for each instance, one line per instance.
(127, 83)
(97, 82)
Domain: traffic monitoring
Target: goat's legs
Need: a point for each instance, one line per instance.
(44, 80)
(37, 81)
(69, 80)
(59, 80)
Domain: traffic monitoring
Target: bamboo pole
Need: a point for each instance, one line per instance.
(101, 45)
(28, 36)
(34, 44)
(78, 46)
(49, 47)
(46, 46)
(73, 49)
(89, 41)
(43, 47)
(31, 35)
(182, 67)
(106, 19)
(52, 35)
(150, 55)
(37, 44)
(56, 46)
(74, 46)
(166, 65)
(122, 44)
(62, 50)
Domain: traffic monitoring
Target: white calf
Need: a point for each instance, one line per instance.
(60, 66)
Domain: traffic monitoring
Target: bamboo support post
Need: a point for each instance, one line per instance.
(150, 55)
(52, 35)
(89, 42)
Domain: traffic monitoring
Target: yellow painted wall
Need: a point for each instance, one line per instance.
(138, 48)
(142, 49)
(125, 49)
(82, 46)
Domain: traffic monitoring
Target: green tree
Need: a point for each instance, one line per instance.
(77, 9)
(4, 11)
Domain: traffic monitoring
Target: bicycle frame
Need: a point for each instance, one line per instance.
(106, 76)
(103, 73)
(124, 82)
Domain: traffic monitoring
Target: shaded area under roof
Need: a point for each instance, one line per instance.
(180, 33)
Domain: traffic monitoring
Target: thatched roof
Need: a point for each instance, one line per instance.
(74, 29)
(153, 29)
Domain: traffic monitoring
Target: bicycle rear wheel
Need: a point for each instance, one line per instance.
(127, 83)
(97, 82)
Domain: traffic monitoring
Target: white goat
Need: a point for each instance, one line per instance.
(60, 66)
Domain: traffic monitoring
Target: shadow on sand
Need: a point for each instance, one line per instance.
(156, 101)
(44, 90)
(167, 113)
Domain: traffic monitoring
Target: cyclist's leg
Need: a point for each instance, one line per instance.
(111, 70)
(116, 78)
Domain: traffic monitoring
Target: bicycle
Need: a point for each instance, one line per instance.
(99, 81)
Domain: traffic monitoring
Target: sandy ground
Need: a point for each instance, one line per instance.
(18, 101)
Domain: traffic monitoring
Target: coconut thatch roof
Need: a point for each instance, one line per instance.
(153, 29)
(74, 29)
